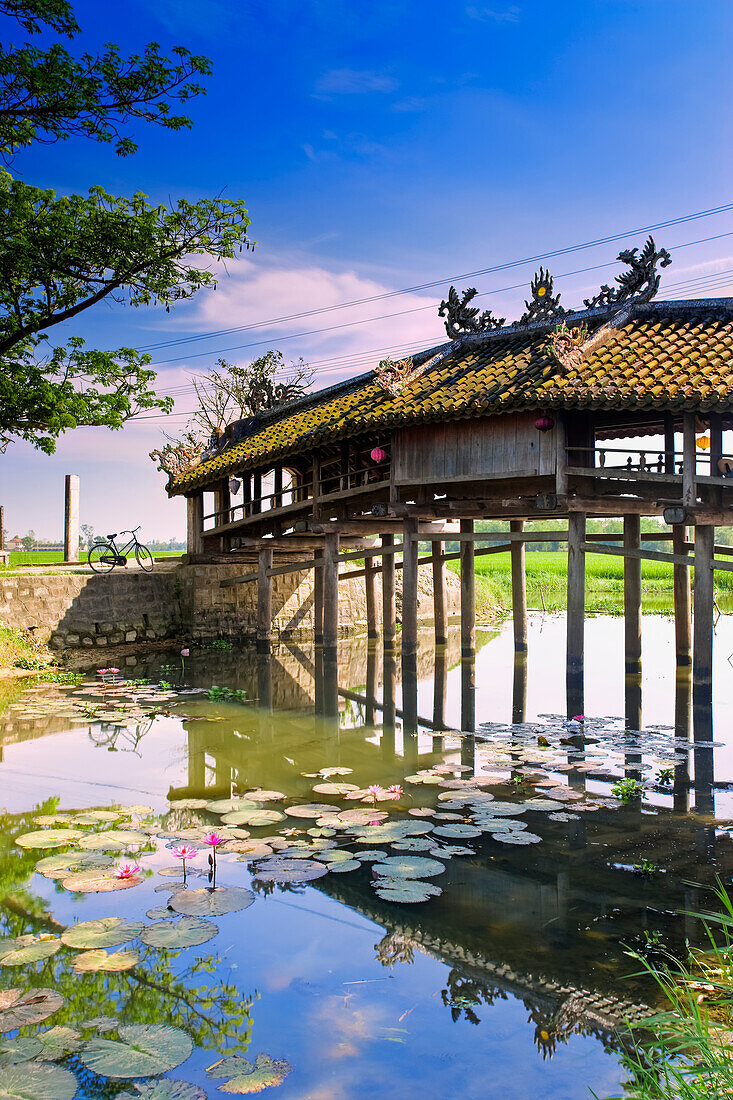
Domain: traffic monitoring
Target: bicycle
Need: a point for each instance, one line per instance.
(104, 555)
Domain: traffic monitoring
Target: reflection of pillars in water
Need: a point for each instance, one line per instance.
(632, 692)
(264, 681)
(389, 687)
(440, 687)
(702, 719)
(682, 733)
(575, 617)
(196, 758)
(519, 689)
(330, 683)
(371, 683)
(409, 708)
(468, 710)
(318, 679)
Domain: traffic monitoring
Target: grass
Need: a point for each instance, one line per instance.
(604, 583)
(50, 557)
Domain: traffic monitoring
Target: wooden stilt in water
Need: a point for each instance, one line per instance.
(409, 588)
(330, 591)
(389, 614)
(318, 599)
(632, 597)
(370, 591)
(682, 733)
(702, 655)
(440, 687)
(468, 593)
(682, 601)
(439, 596)
(519, 689)
(371, 684)
(575, 613)
(519, 589)
(264, 600)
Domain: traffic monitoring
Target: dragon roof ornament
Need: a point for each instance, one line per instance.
(640, 282)
(464, 320)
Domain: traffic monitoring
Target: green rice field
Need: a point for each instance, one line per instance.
(49, 557)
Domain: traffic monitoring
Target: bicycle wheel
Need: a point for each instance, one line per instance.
(144, 558)
(102, 557)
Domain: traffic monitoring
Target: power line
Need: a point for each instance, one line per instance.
(441, 282)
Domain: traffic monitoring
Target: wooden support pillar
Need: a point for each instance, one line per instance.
(682, 601)
(440, 690)
(519, 589)
(576, 611)
(316, 486)
(257, 493)
(278, 488)
(669, 444)
(71, 518)
(409, 588)
(689, 489)
(370, 591)
(440, 615)
(264, 600)
(389, 614)
(519, 689)
(318, 600)
(195, 523)
(468, 593)
(715, 494)
(632, 597)
(561, 462)
(330, 591)
(702, 653)
(246, 494)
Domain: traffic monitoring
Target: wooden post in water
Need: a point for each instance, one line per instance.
(440, 616)
(576, 612)
(519, 689)
(330, 591)
(409, 588)
(519, 588)
(195, 523)
(370, 591)
(468, 592)
(702, 652)
(632, 596)
(264, 600)
(389, 614)
(71, 518)
(682, 601)
(318, 599)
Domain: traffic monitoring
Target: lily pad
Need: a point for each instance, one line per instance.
(371, 855)
(48, 838)
(114, 840)
(23, 950)
(113, 962)
(413, 844)
(102, 1023)
(19, 1008)
(189, 804)
(165, 1089)
(265, 796)
(255, 818)
(245, 1078)
(23, 1048)
(250, 849)
(336, 855)
(96, 817)
(334, 788)
(174, 935)
(421, 811)
(206, 902)
(105, 932)
(310, 809)
(61, 865)
(282, 869)
(31, 1081)
(57, 1042)
(407, 891)
(450, 850)
(230, 805)
(143, 1050)
(517, 838)
(98, 882)
(345, 865)
(409, 867)
(389, 831)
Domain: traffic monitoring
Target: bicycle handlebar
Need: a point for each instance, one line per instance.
(131, 532)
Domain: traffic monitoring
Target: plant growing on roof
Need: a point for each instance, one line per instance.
(464, 319)
(231, 392)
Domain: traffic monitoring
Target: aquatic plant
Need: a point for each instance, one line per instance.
(665, 776)
(184, 853)
(127, 870)
(216, 692)
(628, 790)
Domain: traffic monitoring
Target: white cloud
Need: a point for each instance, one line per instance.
(355, 82)
(491, 15)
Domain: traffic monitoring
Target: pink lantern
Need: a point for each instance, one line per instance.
(544, 423)
(378, 455)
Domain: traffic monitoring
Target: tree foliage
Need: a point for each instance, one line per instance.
(232, 391)
(61, 255)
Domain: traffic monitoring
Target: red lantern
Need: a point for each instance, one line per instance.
(544, 423)
(378, 455)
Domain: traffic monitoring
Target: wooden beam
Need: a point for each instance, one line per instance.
(477, 478)
(576, 602)
(561, 462)
(330, 592)
(195, 523)
(519, 588)
(370, 593)
(440, 616)
(389, 613)
(641, 555)
(409, 588)
(264, 599)
(427, 559)
(632, 595)
(468, 591)
(689, 492)
(682, 601)
(702, 646)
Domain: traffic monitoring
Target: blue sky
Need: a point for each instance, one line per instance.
(379, 146)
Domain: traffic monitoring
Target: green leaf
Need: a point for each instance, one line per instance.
(104, 932)
(247, 1079)
(207, 902)
(457, 832)
(21, 1009)
(230, 805)
(409, 867)
(166, 1089)
(143, 1050)
(94, 961)
(406, 891)
(37, 1082)
(23, 950)
(185, 932)
(283, 869)
(48, 838)
(98, 882)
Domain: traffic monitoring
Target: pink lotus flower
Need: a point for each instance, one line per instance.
(127, 870)
(395, 790)
(113, 670)
(186, 851)
(214, 840)
(184, 652)
(102, 671)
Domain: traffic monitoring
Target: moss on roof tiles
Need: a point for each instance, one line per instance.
(681, 357)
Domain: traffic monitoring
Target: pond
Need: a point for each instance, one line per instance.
(463, 934)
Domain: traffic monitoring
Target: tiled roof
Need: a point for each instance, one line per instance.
(665, 355)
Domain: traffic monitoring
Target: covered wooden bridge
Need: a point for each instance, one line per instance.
(614, 410)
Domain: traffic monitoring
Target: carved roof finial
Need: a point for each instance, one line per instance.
(641, 281)
(543, 304)
(463, 319)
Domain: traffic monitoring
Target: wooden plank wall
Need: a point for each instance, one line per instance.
(462, 448)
